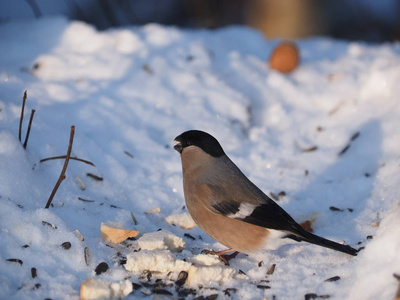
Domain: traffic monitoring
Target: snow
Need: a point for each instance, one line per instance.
(130, 92)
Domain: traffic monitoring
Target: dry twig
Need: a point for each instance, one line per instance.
(64, 156)
(29, 128)
(22, 115)
(62, 175)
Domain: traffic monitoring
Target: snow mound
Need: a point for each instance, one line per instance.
(326, 136)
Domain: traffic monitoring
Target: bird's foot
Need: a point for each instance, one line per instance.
(223, 255)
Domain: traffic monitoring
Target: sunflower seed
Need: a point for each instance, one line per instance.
(95, 177)
(263, 287)
(85, 200)
(271, 269)
(33, 273)
(66, 245)
(88, 256)
(134, 219)
(189, 236)
(182, 277)
(334, 278)
(81, 183)
(129, 154)
(101, 268)
(79, 235)
(16, 260)
(49, 224)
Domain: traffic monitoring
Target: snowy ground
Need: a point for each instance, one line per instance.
(131, 91)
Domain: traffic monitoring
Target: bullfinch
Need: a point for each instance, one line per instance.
(229, 207)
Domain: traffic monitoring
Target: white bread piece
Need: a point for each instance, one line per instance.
(93, 289)
(209, 275)
(184, 220)
(161, 240)
(156, 261)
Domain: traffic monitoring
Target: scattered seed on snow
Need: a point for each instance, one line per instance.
(81, 183)
(94, 177)
(79, 235)
(134, 219)
(189, 236)
(49, 224)
(263, 287)
(88, 256)
(101, 268)
(66, 245)
(182, 277)
(33, 272)
(14, 260)
(129, 154)
(271, 269)
(332, 279)
(85, 200)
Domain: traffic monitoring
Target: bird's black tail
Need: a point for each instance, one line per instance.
(320, 241)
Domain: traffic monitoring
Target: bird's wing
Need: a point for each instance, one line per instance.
(252, 206)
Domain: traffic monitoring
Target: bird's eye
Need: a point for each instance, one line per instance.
(187, 143)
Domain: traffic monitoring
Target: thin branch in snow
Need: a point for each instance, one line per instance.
(62, 175)
(22, 114)
(64, 156)
(29, 128)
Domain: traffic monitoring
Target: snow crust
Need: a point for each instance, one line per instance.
(130, 92)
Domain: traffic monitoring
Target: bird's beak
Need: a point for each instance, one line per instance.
(178, 147)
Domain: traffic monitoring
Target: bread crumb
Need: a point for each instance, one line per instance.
(161, 240)
(184, 221)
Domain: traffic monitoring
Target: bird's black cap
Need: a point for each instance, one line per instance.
(201, 139)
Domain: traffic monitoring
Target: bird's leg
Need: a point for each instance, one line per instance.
(222, 254)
